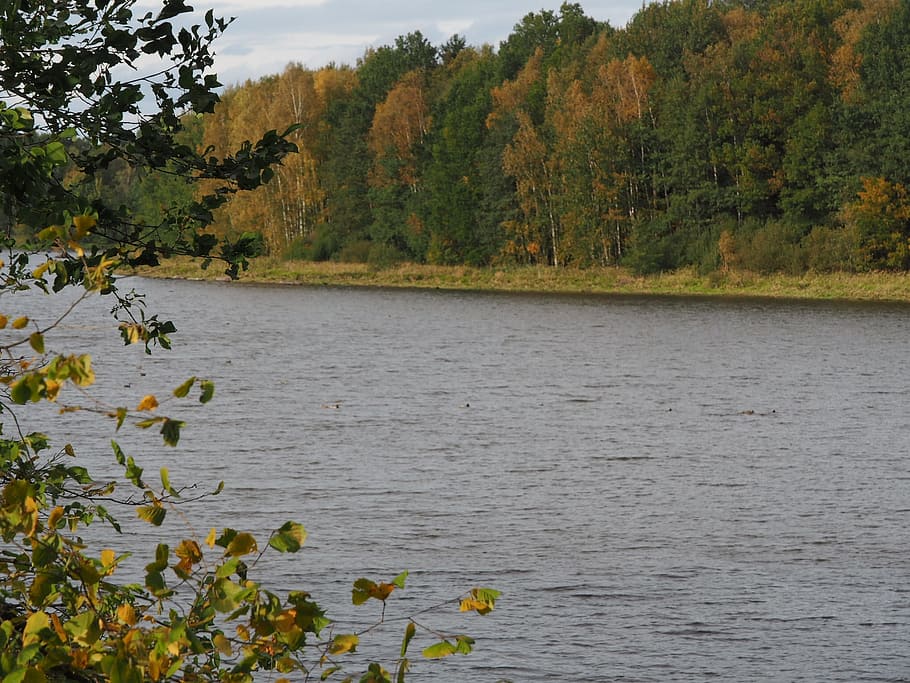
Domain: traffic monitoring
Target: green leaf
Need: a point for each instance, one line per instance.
(328, 672)
(403, 667)
(289, 538)
(170, 431)
(134, 473)
(153, 514)
(166, 482)
(399, 580)
(36, 341)
(208, 390)
(439, 650)
(85, 628)
(184, 388)
(21, 392)
(409, 632)
(118, 453)
(464, 645)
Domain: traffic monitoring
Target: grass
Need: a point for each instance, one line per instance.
(877, 286)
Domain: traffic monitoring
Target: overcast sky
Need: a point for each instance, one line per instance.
(268, 34)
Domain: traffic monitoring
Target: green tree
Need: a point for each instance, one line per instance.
(198, 614)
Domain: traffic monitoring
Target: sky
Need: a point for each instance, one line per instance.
(269, 34)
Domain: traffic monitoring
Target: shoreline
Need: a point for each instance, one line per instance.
(875, 286)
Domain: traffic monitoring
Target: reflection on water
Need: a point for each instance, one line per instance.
(663, 489)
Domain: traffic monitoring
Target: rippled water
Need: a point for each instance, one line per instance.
(662, 489)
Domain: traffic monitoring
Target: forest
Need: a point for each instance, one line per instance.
(764, 135)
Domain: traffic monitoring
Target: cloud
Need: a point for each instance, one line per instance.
(257, 56)
(452, 26)
(269, 34)
(259, 5)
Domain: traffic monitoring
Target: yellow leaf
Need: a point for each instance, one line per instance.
(126, 614)
(51, 389)
(36, 623)
(107, 557)
(222, 644)
(83, 224)
(3, 321)
(40, 270)
(76, 248)
(242, 544)
(58, 627)
(210, 539)
(286, 621)
(147, 403)
(344, 643)
(54, 517)
(21, 322)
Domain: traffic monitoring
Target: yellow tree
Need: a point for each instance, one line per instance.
(535, 235)
(400, 124)
(846, 60)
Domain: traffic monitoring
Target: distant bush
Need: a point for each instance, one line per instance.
(774, 247)
(830, 249)
(385, 255)
(355, 252)
(318, 246)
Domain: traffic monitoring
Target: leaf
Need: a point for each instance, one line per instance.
(208, 390)
(166, 482)
(184, 389)
(210, 539)
(464, 645)
(36, 624)
(222, 644)
(439, 650)
(403, 667)
(242, 544)
(83, 224)
(153, 514)
(3, 321)
(344, 643)
(127, 614)
(85, 628)
(148, 402)
(399, 580)
(36, 341)
(481, 600)
(21, 392)
(20, 322)
(328, 672)
(409, 632)
(289, 538)
(170, 431)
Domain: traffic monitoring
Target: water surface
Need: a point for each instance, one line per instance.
(663, 489)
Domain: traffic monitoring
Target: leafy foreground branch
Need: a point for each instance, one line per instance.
(198, 612)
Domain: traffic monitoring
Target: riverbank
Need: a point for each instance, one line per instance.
(831, 286)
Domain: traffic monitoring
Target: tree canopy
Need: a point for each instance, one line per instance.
(577, 143)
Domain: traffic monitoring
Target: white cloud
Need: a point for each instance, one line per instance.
(259, 5)
(239, 60)
(450, 27)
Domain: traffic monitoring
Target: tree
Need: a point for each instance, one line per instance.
(63, 613)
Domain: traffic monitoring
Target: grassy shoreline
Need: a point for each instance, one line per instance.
(879, 286)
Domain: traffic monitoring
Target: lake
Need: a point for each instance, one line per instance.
(663, 489)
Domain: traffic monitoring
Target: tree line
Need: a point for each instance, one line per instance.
(767, 135)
